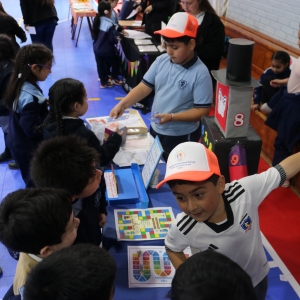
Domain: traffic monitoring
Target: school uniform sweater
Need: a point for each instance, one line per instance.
(26, 117)
(265, 92)
(10, 27)
(104, 43)
(107, 151)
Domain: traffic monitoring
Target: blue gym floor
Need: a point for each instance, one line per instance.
(78, 62)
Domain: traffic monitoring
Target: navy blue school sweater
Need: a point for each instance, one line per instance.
(104, 43)
(265, 92)
(26, 117)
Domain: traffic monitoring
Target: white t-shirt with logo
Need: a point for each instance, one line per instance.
(239, 236)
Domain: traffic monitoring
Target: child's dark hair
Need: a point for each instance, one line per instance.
(62, 96)
(211, 275)
(183, 39)
(31, 219)
(102, 7)
(213, 179)
(65, 162)
(27, 56)
(86, 271)
(7, 49)
(282, 56)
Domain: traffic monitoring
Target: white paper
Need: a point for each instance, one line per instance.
(137, 23)
(150, 266)
(152, 160)
(135, 34)
(143, 42)
(147, 48)
(111, 187)
(143, 224)
(31, 29)
(133, 13)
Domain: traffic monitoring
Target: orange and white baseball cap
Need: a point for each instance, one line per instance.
(191, 161)
(180, 24)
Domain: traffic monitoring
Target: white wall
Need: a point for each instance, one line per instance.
(276, 18)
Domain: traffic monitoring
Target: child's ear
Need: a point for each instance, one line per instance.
(221, 184)
(76, 106)
(192, 44)
(47, 250)
(34, 69)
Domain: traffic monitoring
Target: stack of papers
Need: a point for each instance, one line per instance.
(81, 6)
(147, 48)
(143, 42)
(137, 35)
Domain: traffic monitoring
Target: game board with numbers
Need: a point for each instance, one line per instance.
(143, 224)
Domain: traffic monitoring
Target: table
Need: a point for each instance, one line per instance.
(118, 249)
(87, 12)
(132, 24)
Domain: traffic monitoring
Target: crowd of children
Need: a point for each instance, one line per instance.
(61, 164)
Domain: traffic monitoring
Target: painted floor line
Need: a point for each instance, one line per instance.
(287, 274)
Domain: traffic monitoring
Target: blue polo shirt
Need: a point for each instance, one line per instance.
(178, 88)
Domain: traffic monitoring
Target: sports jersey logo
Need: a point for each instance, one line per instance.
(246, 223)
(182, 84)
(180, 155)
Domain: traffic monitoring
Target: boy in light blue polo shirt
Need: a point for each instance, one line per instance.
(182, 84)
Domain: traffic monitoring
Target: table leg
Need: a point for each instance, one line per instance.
(79, 31)
(90, 25)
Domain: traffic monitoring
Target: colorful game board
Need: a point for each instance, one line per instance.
(150, 266)
(143, 224)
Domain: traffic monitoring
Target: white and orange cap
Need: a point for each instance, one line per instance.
(192, 162)
(180, 24)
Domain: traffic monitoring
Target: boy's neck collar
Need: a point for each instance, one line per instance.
(35, 257)
(190, 63)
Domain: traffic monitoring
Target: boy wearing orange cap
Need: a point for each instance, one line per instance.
(218, 216)
(182, 85)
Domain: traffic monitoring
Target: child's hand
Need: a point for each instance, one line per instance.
(125, 33)
(148, 9)
(102, 220)
(117, 111)
(274, 83)
(164, 118)
(26, 27)
(254, 107)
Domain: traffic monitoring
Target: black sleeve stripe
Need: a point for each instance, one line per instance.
(185, 224)
(148, 83)
(184, 218)
(282, 174)
(190, 228)
(206, 105)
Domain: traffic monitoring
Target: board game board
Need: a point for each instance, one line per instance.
(150, 266)
(143, 224)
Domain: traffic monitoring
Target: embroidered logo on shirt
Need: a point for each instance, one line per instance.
(246, 223)
(182, 84)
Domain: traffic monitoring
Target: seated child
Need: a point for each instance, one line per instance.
(211, 275)
(280, 69)
(284, 117)
(218, 215)
(36, 222)
(86, 271)
(68, 163)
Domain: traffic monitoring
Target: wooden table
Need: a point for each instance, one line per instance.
(87, 12)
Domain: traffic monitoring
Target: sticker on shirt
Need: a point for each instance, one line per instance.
(246, 223)
(182, 84)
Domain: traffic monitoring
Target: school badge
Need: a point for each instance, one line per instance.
(182, 84)
(246, 223)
